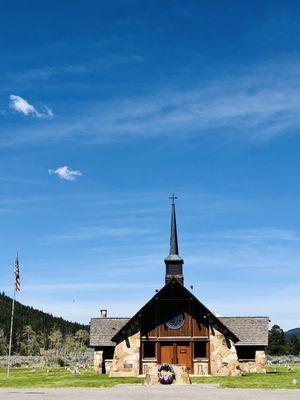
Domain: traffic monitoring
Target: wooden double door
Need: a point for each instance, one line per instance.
(178, 353)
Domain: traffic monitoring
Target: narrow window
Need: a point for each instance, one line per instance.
(149, 349)
(200, 349)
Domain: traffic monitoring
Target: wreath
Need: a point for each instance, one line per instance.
(166, 374)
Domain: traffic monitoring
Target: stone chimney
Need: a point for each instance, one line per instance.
(103, 313)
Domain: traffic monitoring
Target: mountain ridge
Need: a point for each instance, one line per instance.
(40, 321)
(291, 332)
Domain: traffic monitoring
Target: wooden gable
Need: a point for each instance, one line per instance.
(174, 302)
(172, 299)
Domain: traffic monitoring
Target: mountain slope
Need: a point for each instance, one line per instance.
(291, 332)
(40, 321)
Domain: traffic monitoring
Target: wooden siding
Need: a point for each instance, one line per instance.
(153, 324)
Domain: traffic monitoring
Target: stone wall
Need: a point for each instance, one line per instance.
(108, 365)
(126, 361)
(98, 361)
(200, 368)
(149, 366)
(223, 356)
(150, 370)
(256, 366)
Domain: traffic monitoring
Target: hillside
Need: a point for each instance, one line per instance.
(40, 321)
(291, 332)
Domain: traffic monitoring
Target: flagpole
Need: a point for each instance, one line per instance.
(11, 331)
(16, 289)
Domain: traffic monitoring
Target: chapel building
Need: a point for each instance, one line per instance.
(174, 327)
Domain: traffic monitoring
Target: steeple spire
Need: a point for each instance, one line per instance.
(173, 262)
(173, 236)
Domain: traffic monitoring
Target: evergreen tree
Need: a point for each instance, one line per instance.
(3, 343)
(276, 341)
(293, 346)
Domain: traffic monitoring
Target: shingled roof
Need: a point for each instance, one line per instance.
(103, 329)
(250, 330)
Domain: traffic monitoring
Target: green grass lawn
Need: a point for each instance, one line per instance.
(278, 377)
(58, 377)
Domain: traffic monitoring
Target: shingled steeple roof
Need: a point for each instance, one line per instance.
(174, 262)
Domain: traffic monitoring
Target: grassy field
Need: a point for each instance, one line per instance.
(58, 377)
(278, 377)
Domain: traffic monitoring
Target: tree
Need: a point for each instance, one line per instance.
(43, 341)
(3, 343)
(293, 346)
(81, 339)
(29, 344)
(69, 344)
(276, 341)
(56, 340)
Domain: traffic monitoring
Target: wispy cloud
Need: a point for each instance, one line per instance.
(22, 106)
(234, 108)
(234, 272)
(65, 173)
(255, 235)
(47, 72)
(270, 302)
(255, 106)
(258, 250)
(93, 232)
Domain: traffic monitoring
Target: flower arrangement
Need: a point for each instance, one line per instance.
(166, 374)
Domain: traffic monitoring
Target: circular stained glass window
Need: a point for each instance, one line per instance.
(175, 322)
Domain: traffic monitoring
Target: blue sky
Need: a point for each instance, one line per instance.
(107, 109)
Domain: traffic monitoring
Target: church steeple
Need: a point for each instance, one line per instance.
(174, 262)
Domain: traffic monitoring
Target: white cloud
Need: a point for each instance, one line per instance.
(253, 106)
(93, 232)
(48, 111)
(65, 173)
(22, 106)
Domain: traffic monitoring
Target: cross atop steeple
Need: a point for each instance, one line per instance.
(173, 198)
(173, 261)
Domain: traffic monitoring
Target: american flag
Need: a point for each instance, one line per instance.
(17, 275)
